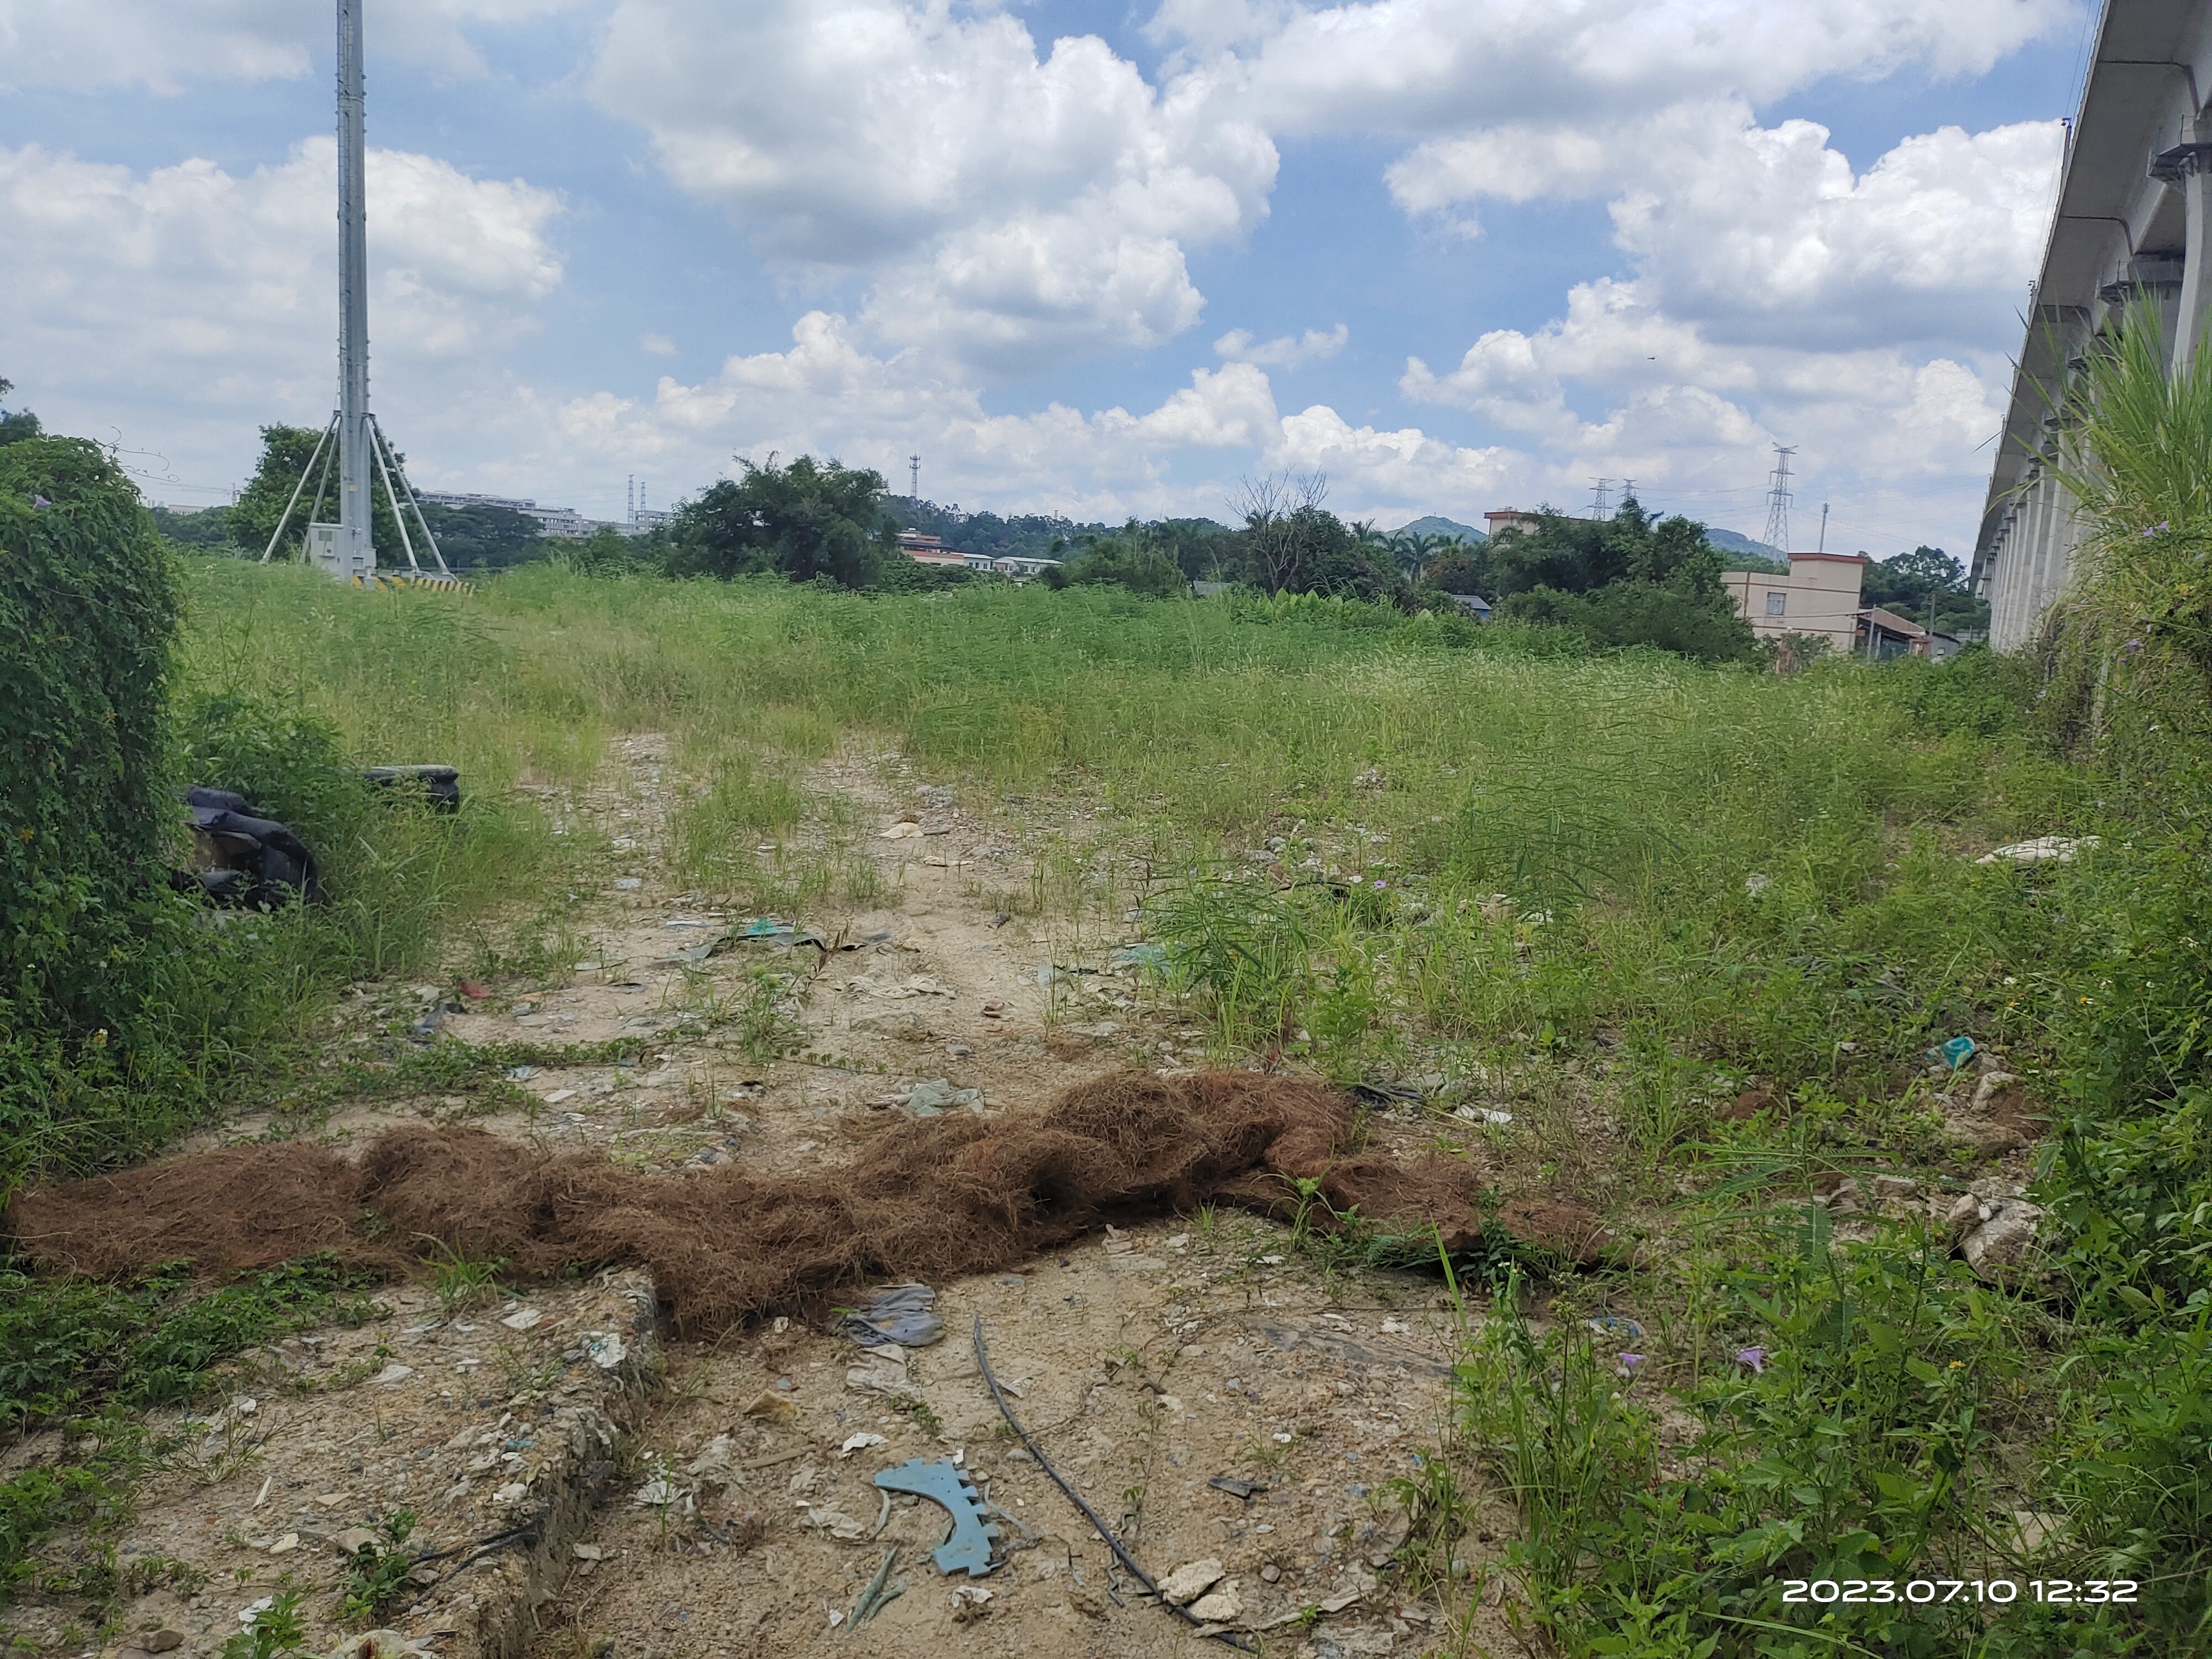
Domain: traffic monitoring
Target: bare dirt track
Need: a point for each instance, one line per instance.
(1111, 1227)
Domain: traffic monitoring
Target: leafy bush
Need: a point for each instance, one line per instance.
(88, 606)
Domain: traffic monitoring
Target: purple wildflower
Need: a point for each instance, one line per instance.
(41, 501)
(2131, 648)
(1755, 1358)
(1629, 1362)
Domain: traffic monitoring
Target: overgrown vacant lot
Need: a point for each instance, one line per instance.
(1665, 955)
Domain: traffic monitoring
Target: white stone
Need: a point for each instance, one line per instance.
(2004, 1243)
(1220, 1605)
(1190, 1581)
(2057, 849)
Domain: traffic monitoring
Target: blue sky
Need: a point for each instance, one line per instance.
(1099, 259)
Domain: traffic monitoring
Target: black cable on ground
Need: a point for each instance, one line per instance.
(1127, 1560)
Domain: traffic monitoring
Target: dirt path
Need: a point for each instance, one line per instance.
(734, 1519)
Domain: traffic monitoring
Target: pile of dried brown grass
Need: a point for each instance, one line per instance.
(930, 1199)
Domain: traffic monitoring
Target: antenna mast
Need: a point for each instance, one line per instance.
(354, 550)
(914, 479)
(1777, 501)
(347, 549)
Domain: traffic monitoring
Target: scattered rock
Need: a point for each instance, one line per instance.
(1271, 1574)
(2001, 1243)
(774, 1407)
(1895, 1187)
(395, 1372)
(2037, 1529)
(285, 1545)
(588, 1552)
(1190, 1581)
(2054, 849)
(1981, 1135)
(352, 1540)
(1219, 1606)
(522, 1319)
(1848, 1199)
(162, 1640)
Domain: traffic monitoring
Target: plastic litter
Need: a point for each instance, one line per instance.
(969, 1549)
(243, 858)
(1152, 957)
(898, 1315)
(761, 930)
(938, 1095)
(872, 1598)
(1955, 1054)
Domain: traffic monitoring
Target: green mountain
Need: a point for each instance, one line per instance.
(1435, 525)
(1730, 541)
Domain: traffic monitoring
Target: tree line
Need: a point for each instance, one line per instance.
(1633, 579)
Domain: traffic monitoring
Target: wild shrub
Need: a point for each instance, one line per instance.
(89, 609)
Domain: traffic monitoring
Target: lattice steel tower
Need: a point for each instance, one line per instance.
(1777, 501)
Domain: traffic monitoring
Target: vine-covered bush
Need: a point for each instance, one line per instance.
(89, 607)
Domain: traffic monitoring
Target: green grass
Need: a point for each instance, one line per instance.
(1373, 845)
(86, 1355)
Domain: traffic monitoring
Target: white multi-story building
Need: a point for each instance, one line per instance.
(2132, 224)
(563, 521)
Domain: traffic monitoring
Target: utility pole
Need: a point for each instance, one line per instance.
(1777, 501)
(356, 546)
(353, 442)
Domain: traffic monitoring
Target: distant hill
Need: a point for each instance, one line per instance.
(1435, 525)
(1730, 541)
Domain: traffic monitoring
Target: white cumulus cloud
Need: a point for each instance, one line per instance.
(202, 302)
(1286, 351)
(1012, 205)
(165, 47)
